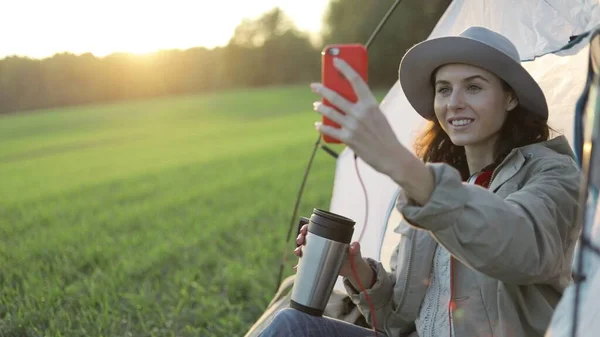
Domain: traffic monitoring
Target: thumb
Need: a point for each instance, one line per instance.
(355, 249)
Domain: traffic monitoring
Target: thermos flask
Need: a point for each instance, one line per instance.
(326, 247)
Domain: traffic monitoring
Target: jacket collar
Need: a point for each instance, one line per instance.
(515, 160)
(507, 169)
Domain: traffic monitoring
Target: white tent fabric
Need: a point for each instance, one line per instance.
(538, 28)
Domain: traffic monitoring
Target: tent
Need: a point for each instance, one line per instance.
(542, 31)
(552, 39)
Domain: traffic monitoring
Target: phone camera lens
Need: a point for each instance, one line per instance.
(334, 51)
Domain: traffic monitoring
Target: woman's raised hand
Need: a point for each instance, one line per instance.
(364, 128)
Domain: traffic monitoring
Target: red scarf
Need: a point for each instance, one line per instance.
(482, 178)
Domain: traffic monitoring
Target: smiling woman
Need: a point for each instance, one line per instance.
(471, 106)
(488, 207)
(477, 117)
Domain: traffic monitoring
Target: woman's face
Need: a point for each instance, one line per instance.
(470, 104)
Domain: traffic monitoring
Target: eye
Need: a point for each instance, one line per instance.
(443, 90)
(474, 88)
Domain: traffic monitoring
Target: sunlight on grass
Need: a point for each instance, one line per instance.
(163, 217)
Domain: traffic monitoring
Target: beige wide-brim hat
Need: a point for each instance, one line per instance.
(477, 46)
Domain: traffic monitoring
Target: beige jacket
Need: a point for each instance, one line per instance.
(513, 244)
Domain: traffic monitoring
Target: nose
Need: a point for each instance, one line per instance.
(456, 100)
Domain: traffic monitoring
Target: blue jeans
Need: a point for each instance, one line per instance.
(293, 323)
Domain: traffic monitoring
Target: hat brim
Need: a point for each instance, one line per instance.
(419, 63)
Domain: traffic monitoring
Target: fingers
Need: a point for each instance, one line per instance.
(330, 113)
(300, 239)
(302, 235)
(298, 251)
(361, 89)
(341, 134)
(333, 97)
(304, 229)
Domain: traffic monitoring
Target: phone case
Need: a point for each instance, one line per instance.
(356, 56)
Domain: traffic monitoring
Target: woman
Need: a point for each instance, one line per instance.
(488, 234)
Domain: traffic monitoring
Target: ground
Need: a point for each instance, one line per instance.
(162, 217)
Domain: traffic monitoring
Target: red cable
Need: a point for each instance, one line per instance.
(362, 231)
(451, 301)
(352, 265)
(371, 307)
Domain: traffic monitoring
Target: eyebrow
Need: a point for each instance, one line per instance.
(470, 78)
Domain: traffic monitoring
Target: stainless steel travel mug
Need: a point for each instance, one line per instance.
(326, 247)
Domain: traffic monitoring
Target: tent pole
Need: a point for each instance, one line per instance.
(587, 132)
(381, 23)
(294, 219)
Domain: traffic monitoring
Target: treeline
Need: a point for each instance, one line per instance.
(269, 50)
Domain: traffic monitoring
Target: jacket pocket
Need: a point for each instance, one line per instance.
(472, 316)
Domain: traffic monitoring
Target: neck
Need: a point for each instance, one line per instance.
(479, 156)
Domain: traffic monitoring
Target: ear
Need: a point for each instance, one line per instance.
(512, 101)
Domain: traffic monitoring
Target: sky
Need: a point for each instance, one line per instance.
(41, 28)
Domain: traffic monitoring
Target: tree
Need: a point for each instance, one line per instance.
(254, 33)
(353, 21)
(268, 50)
(271, 50)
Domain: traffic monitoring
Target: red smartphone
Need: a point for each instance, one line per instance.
(356, 56)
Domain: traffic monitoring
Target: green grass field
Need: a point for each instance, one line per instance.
(161, 217)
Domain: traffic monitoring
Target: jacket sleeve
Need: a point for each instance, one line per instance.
(520, 239)
(381, 295)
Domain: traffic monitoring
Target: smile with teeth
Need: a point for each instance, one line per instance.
(461, 122)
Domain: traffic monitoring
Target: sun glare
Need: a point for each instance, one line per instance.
(135, 26)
